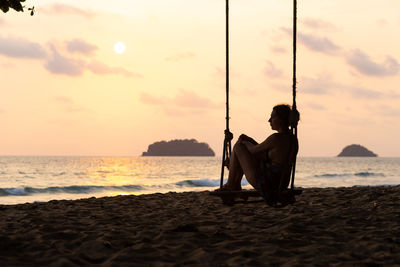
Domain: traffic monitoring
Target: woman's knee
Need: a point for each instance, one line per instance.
(239, 146)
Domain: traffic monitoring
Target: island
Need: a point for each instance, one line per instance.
(185, 147)
(356, 151)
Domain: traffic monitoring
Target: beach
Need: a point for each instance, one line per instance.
(326, 226)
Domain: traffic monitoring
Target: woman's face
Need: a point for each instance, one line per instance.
(274, 121)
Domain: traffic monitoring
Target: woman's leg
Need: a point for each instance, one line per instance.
(242, 162)
(235, 172)
(248, 163)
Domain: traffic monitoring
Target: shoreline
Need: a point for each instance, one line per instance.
(350, 225)
(40, 199)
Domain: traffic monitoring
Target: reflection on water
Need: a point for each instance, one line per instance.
(147, 171)
(115, 171)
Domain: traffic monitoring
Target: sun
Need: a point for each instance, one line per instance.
(119, 47)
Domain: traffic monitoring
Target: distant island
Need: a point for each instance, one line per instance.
(356, 151)
(185, 147)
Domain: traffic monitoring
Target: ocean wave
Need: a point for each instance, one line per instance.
(368, 174)
(331, 175)
(74, 189)
(199, 183)
(205, 183)
(79, 173)
(105, 171)
(59, 174)
(338, 175)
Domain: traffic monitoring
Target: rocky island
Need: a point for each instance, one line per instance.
(356, 151)
(185, 147)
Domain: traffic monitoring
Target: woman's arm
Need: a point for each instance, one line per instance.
(244, 137)
(262, 147)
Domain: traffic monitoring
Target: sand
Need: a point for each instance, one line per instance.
(331, 226)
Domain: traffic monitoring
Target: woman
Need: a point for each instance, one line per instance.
(266, 165)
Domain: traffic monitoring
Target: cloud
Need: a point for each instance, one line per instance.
(180, 56)
(317, 24)
(271, 71)
(64, 9)
(319, 44)
(321, 85)
(324, 84)
(358, 92)
(362, 63)
(59, 64)
(389, 111)
(316, 106)
(101, 68)
(183, 100)
(190, 99)
(392, 94)
(81, 46)
(7, 65)
(21, 48)
(68, 104)
(315, 43)
(355, 58)
(278, 49)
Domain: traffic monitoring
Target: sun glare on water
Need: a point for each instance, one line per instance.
(119, 47)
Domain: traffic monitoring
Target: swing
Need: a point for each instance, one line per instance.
(284, 195)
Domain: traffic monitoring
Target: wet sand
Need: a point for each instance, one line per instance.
(331, 226)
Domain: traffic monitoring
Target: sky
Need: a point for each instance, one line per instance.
(65, 91)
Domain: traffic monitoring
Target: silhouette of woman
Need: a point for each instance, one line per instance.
(267, 159)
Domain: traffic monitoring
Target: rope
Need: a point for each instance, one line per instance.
(294, 52)
(227, 148)
(227, 64)
(295, 114)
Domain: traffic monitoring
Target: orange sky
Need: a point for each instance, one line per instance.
(64, 90)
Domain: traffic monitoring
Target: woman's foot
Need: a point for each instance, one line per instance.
(227, 187)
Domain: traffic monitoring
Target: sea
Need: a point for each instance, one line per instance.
(40, 179)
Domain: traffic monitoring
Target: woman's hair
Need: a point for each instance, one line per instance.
(283, 112)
